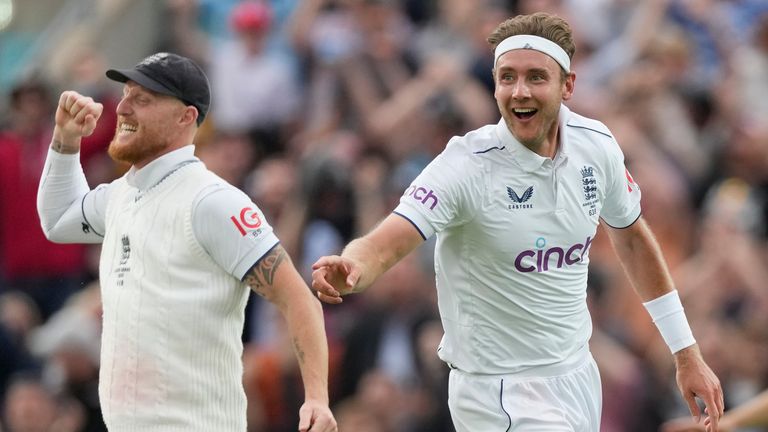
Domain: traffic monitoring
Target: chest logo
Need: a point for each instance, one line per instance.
(520, 200)
(123, 267)
(589, 186)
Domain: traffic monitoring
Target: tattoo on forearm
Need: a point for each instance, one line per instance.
(59, 147)
(262, 274)
(299, 351)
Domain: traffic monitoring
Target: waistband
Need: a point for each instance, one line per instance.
(576, 360)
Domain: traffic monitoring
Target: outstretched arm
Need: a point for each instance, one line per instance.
(364, 259)
(275, 278)
(644, 264)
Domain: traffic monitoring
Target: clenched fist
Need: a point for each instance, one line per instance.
(76, 117)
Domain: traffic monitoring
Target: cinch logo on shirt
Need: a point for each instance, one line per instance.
(248, 220)
(422, 195)
(539, 260)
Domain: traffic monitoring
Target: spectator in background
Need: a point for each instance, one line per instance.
(67, 345)
(746, 73)
(19, 316)
(374, 80)
(254, 89)
(48, 273)
(230, 155)
(29, 406)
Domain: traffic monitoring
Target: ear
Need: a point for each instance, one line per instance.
(189, 115)
(569, 85)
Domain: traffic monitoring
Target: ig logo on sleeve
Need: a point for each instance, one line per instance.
(247, 220)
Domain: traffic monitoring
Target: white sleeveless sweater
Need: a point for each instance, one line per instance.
(173, 318)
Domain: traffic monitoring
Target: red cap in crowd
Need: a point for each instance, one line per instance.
(250, 15)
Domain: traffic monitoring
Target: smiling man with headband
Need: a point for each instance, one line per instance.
(515, 207)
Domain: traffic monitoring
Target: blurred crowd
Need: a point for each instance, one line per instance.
(323, 111)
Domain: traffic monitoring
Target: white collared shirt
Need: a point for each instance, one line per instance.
(222, 219)
(513, 236)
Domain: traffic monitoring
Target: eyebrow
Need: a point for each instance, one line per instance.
(532, 70)
(141, 90)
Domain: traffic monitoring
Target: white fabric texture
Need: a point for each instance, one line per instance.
(514, 231)
(564, 402)
(171, 347)
(72, 214)
(177, 241)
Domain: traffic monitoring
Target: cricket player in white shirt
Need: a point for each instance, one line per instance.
(179, 246)
(515, 207)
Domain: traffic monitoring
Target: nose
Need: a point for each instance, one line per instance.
(520, 90)
(123, 107)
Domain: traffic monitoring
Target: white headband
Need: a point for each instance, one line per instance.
(535, 43)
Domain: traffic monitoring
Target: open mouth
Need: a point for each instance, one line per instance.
(524, 113)
(127, 129)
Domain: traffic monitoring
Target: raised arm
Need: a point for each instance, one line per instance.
(275, 278)
(62, 184)
(644, 265)
(364, 259)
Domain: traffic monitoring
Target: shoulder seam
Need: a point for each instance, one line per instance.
(591, 129)
(489, 149)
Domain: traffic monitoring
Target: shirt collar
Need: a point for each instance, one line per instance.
(153, 172)
(529, 160)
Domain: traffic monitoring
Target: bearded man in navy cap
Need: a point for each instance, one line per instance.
(179, 247)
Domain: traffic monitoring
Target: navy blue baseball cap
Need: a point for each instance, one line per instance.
(172, 75)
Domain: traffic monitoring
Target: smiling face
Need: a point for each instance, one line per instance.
(529, 90)
(149, 124)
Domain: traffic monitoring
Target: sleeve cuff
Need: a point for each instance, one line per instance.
(626, 221)
(62, 164)
(420, 222)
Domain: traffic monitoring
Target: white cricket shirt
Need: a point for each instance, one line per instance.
(514, 231)
(177, 241)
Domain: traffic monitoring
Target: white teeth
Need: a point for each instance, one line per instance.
(127, 128)
(524, 110)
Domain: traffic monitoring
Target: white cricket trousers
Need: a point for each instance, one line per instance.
(562, 398)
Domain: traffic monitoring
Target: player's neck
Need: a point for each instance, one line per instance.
(548, 147)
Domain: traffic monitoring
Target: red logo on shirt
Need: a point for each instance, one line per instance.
(249, 219)
(630, 180)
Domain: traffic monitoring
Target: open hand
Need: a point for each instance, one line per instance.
(334, 276)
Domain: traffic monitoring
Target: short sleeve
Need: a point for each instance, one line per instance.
(231, 228)
(621, 206)
(443, 194)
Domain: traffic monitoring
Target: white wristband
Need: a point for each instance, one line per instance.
(668, 315)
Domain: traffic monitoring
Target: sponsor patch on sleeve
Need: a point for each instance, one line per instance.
(248, 220)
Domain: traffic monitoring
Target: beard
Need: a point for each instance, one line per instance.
(138, 148)
(532, 136)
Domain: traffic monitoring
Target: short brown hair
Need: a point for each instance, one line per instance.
(540, 24)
